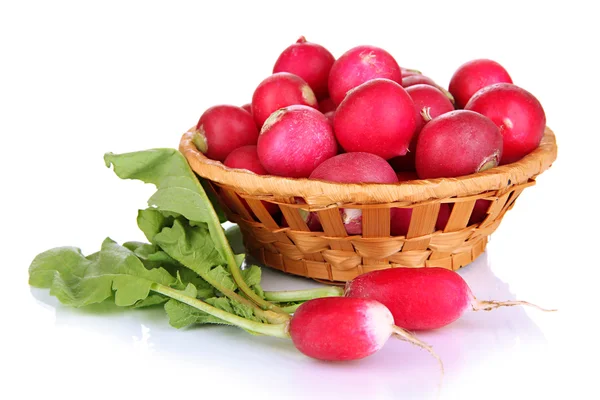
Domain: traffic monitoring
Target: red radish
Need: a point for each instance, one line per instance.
(480, 211)
(457, 143)
(430, 102)
(517, 113)
(248, 107)
(246, 157)
(421, 298)
(330, 115)
(294, 141)
(222, 129)
(326, 105)
(342, 328)
(376, 117)
(400, 219)
(418, 79)
(280, 90)
(310, 61)
(474, 75)
(359, 65)
(408, 72)
(354, 168)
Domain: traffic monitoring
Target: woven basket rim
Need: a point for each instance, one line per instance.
(323, 193)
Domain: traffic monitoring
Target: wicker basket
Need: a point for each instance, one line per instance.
(333, 256)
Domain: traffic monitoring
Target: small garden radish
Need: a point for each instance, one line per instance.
(248, 107)
(376, 117)
(517, 113)
(294, 141)
(408, 72)
(343, 328)
(359, 65)
(421, 298)
(418, 79)
(457, 143)
(246, 157)
(222, 129)
(430, 102)
(280, 90)
(473, 76)
(354, 168)
(310, 61)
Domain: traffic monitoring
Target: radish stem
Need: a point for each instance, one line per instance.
(234, 269)
(276, 330)
(292, 308)
(410, 338)
(271, 316)
(303, 295)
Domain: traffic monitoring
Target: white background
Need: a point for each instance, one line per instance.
(79, 79)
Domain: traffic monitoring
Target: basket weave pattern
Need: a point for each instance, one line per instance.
(334, 256)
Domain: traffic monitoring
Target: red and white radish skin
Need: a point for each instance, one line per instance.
(421, 298)
(376, 117)
(518, 114)
(359, 65)
(222, 129)
(280, 90)
(474, 75)
(457, 143)
(354, 168)
(342, 328)
(294, 141)
(310, 61)
(246, 157)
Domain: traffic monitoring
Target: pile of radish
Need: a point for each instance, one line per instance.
(314, 107)
(364, 118)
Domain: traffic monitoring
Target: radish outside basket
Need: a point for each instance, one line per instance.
(331, 254)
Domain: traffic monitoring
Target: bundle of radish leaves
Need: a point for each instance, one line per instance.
(188, 266)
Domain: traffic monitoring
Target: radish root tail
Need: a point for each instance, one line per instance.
(487, 305)
(410, 338)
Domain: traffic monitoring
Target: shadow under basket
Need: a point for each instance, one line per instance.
(257, 204)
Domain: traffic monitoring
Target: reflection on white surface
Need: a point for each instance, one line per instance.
(506, 338)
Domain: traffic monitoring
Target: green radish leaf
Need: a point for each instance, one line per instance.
(151, 300)
(178, 188)
(151, 221)
(78, 281)
(253, 276)
(181, 315)
(222, 277)
(192, 246)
